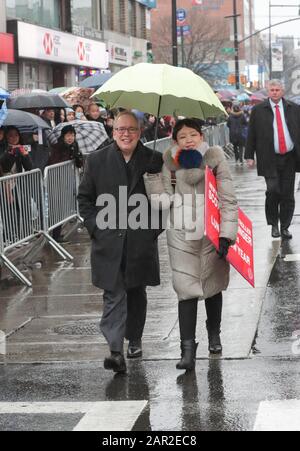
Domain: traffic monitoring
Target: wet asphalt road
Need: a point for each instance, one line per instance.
(46, 365)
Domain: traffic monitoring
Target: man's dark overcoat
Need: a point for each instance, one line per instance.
(137, 250)
(261, 136)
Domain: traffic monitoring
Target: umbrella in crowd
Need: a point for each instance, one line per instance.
(89, 135)
(37, 100)
(243, 97)
(60, 90)
(95, 81)
(78, 96)
(161, 90)
(25, 122)
(4, 94)
(227, 95)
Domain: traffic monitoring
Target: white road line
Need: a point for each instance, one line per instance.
(292, 258)
(276, 416)
(98, 416)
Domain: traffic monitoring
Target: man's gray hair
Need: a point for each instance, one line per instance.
(276, 82)
(130, 114)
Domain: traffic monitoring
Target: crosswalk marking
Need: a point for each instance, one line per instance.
(97, 416)
(276, 416)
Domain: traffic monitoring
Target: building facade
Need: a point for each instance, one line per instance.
(60, 42)
(213, 9)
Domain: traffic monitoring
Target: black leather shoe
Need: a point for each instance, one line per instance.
(134, 350)
(286, 235)
(275, 232)
(116, 363)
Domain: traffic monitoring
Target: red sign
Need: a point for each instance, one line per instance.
(48, 43)
(81, 51)
(7, 54)
(241, 255)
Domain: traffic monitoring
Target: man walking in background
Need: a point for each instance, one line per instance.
(274, 136)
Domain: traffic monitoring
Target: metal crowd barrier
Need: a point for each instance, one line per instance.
(21, 213)
(32, 206)
(161, 144)
(60, 185)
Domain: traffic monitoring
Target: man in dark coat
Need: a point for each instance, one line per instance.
(274, 136)
(124, 258)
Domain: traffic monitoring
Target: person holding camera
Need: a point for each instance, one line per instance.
(15, 158)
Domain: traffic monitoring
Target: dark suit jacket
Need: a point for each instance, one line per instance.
(261, 136)
(105, 173)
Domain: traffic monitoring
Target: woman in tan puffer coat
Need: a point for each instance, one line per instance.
(199, 272)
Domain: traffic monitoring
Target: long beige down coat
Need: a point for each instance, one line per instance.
(197, 270)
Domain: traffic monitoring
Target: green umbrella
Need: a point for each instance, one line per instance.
(161, 90)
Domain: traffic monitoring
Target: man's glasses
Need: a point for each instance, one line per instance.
(130, 130)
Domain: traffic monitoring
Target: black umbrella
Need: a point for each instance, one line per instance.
(96, 81)
(25, 122)
(38, 101)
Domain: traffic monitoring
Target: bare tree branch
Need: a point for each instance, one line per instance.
(202, 48)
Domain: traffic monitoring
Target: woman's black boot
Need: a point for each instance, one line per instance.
(213, 324)
(214, 339)
(188, 355)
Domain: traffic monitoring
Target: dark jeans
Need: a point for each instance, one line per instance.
(280, 195)
(187, 311)
(124, 314)
(238, 152)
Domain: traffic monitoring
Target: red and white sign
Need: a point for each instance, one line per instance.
(241, 255)
(7, 54)
(50, 45)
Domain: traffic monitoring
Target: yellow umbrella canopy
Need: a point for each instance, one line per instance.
(161, 89)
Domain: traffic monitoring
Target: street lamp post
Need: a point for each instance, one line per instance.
(236, 44)
(174, 33)
(236, 47)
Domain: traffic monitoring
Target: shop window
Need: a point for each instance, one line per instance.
(132, 18)
(122, 16)
(86, 13)
(143, 33)
(39, 12)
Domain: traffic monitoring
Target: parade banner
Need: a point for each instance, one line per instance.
(241, 255)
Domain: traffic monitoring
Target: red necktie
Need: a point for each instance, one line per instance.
(281, 137)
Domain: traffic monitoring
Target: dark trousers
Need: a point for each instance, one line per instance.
(239, 152)
(124, 314)
(280, 195)
(187, 311)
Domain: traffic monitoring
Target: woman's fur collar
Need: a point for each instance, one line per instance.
(212, 156)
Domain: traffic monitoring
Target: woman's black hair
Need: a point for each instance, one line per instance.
(12, 127)
(77, 105)
(190, 123)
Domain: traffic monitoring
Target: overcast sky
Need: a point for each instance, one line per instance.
(278, 15)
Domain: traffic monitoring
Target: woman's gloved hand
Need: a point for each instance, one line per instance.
(190, 159)
(224, 245)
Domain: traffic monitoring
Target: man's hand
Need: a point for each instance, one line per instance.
(250, 164)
